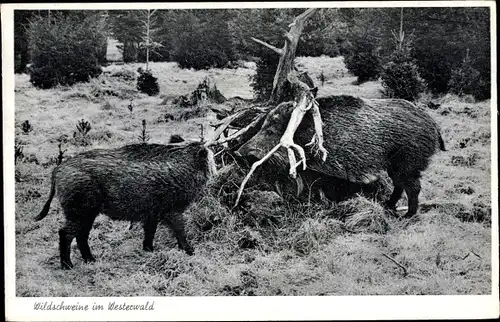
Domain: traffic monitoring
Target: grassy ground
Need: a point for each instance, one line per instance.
(273, 248)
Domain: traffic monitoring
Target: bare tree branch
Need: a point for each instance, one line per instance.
(303, 16)
(252, 169)
(277, 50)
(226, 122)
(240, 132)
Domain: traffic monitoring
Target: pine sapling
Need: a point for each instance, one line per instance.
(144, 137)
(131, 108)
(322, 78)
(18, 154)
(26, 127)
(83, 127)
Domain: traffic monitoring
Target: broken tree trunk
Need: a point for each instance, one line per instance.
(287, 57)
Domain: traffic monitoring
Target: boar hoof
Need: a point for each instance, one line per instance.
(66, 265)
(408, 215)
(148, 248)
(189, 251)
(89, 260)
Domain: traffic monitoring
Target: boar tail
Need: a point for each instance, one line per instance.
(45, 210)
(441, 143)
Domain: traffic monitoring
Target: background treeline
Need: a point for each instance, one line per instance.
(449, 47)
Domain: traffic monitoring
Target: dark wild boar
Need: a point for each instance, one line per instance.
(150, 183)
(364, 137)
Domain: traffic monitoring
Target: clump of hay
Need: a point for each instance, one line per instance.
(369, 217)
(205, 214)
(370, 222)
(249, 239)
(262, 208)
(312, 233)
(228, 180)
(362, 215)
(168, 264)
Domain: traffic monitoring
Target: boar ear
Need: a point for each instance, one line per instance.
(175, 138)
(202, 153)
(314, 91)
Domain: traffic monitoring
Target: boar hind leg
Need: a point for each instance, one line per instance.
(66, 236)
(150, 224)
(176, 223)
(82, 238)
(78, 224)
(412, 189)
(399, 186)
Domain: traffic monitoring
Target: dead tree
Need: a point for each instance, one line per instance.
(303, 96)
(286, 67)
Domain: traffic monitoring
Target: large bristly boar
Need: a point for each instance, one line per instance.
(150, 183)
(364, 137)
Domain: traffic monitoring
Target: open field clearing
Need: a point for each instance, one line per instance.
(352, 248)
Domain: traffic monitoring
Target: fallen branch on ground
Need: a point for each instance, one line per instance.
(471, 252)
(405, 271)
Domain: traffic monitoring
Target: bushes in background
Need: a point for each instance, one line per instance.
(65, 50)
(203, 40)
(464, 78)
(442, 35)
(147, 83)
(361, 59)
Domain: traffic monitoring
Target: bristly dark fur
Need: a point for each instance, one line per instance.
(139, 182)
(364, 138)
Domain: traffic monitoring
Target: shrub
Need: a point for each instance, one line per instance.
(402, 80)
(204, 40)
(147, 83)
(362, 60)
(207, 91)
(262, 80)
(26, 126)
(80, 137)
(322, 78)
(400, 76)
(463, 78)
(65, 50)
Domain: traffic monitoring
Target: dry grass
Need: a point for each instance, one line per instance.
(268, 246)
